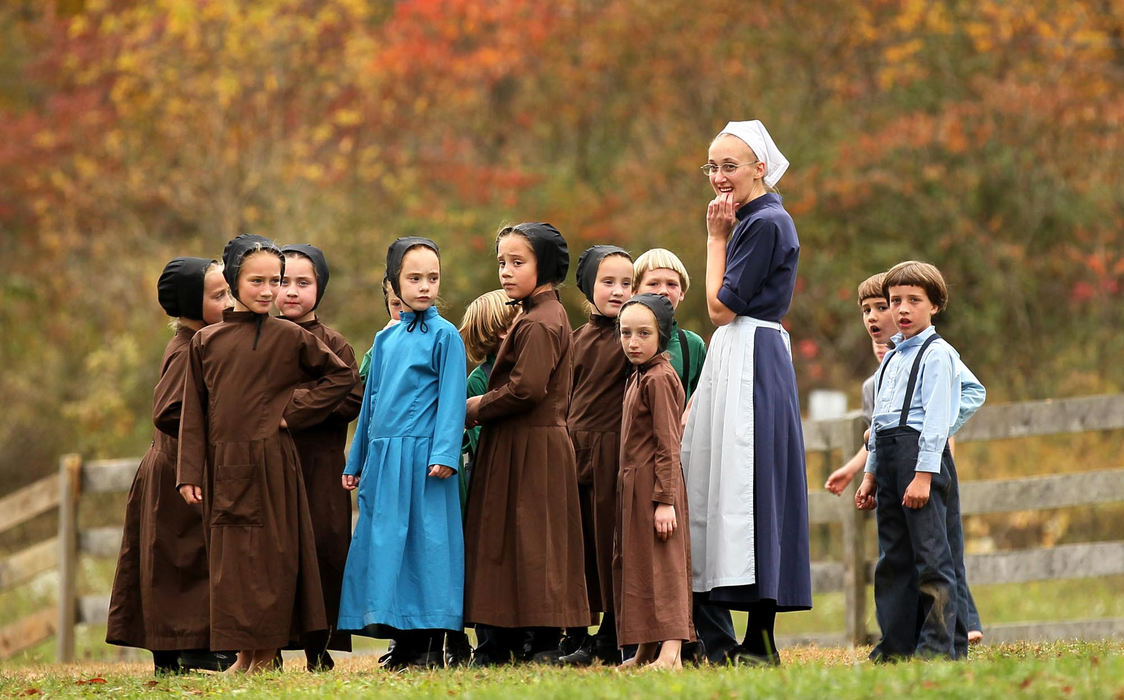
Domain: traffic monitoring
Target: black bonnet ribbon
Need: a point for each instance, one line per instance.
(416, 322)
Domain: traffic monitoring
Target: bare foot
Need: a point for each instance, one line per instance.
(975, 636)
(669, 658)
(263, 661)
(242, 664)
(644, 653)
(662, 664)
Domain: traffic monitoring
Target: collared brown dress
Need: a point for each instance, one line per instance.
(160, 589)
(243, 377)
(600, 372)
(524, 559)
(321, 449)
(652, 578)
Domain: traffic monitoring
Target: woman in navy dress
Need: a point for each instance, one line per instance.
(743, 449)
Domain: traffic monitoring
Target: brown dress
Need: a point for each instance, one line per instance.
(524, 559)
(321, 449)
(241, 381)
(600, 372)
(161, 587)
(652, 578)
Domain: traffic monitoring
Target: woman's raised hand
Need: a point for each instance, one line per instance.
(720, 217)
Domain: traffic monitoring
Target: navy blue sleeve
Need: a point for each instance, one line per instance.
(749, 259)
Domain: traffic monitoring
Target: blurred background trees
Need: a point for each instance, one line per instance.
(983, 136)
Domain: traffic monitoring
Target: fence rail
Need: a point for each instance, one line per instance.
(850, 574)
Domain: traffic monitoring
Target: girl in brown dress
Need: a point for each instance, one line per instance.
(524, 560)
(321, 446)
(246, 387)
(652, 547)
(600, 370)
(161, 580)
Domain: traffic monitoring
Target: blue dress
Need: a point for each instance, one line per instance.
(405, 568)
(743, 449)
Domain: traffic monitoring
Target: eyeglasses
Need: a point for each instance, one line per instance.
(726, 168)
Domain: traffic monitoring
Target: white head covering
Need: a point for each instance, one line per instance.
(756, 137)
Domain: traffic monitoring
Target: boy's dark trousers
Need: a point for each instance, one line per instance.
(916, 593)
(966, 616)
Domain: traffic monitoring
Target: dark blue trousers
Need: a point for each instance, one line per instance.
(916, 588)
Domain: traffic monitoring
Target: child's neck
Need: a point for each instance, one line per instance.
(191, 323)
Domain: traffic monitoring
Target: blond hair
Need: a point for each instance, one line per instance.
(486, 318)
(918, 274)
(871, 288)
(657, 259)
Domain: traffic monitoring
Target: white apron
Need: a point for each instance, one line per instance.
(718, 462)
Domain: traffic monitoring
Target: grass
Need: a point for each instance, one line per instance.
(1077, 670)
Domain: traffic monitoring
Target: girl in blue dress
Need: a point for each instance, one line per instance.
(405, 569)
(743, 448)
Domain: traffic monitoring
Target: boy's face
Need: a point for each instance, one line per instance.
(640, 336)
(216, 296)
(519, 270)
(664, 282)
(420, 279)
(911, 309)
(298, 290)
(880, 350)
(877, 319)
(259, 279)
(613, 286)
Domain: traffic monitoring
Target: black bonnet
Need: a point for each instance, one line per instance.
(237, 249)
(319, 265)
(180, 287)
(396, 253)
(552, 257)
(588, 264)
(663, 311)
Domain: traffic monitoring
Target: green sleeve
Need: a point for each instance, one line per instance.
(698, 356)
(476, 385)
(365, 365)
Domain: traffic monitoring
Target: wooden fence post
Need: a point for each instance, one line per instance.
(854, 541)
(70, 482)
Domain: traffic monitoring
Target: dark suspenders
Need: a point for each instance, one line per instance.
(686, 360)
(914, 372)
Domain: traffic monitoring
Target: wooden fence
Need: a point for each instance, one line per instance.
(850, 574)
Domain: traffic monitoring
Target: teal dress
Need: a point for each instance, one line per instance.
(405, 568)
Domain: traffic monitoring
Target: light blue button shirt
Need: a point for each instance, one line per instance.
(935, 410)
(972, 395)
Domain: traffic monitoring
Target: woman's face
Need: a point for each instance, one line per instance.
(744, 183)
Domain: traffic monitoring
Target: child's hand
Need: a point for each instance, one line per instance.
(471, 406)
(917, 493)
(284, 423)
(665, 521)
(191, 493)
(864, 496)
(350, 481)
(440, 471)
(839, 479)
